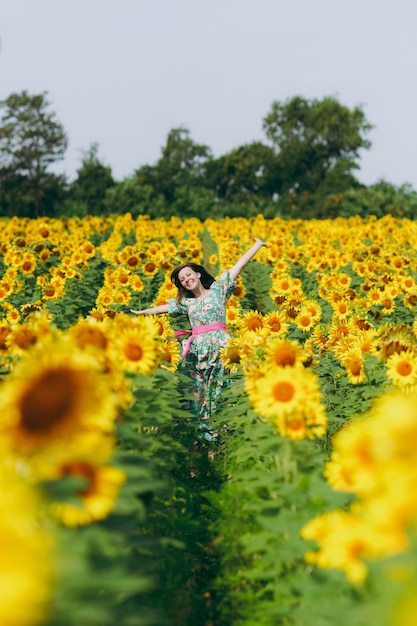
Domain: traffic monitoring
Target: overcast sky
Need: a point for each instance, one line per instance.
(123, 73)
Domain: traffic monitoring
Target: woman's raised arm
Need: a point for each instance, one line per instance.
(162, 308)
(245, 258)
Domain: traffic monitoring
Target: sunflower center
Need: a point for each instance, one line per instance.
(91, 336)
(404, 368)
(25, 338)
(355, 367)
(49, 401)
(285, 356)
(133, 261)
(81, 470)
(283, 391)
(254, 323)
(305, 320)
(295, 423)
(275, 326)
(133, 352)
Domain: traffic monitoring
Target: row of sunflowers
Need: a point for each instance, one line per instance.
(323, 352)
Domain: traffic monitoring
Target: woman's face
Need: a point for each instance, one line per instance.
(188, 278)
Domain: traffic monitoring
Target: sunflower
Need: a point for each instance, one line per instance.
(170, 354)
(55, 392)
(375, 296)
(284, 352)
(389, 305)
(54, 289)
(304, 320)
(97, 495)
(136, 284)
(28, 264)
(132, 261)
(231, 355)
(402, 369)
(344, 540)
(395, 339)
(13, 316)
(240, 289)
(163, 328)
(251, 321)
(90, 333)
(353, 363)
(307, 422)
(275, 322)
(283, 390)
(26, 554)
(135, 348)
(21, 339)
(5, 330)
(341, 309)
(150, 268)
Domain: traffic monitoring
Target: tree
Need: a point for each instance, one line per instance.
(248, 171)
(93, 181)
(31, 140)
(181, 166)
(318, 144)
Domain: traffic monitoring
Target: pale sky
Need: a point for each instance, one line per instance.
(123, 73)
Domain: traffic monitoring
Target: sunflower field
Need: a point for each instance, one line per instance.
(303, 512)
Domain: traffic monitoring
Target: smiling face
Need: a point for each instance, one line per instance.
(189, 279)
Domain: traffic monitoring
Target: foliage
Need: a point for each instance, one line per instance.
(92, 183)
(318, 143)
(31, 140)
(305, 171)
(245, 173)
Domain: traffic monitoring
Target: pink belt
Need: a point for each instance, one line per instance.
(197, 330)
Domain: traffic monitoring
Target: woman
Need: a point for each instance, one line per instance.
(203, 299)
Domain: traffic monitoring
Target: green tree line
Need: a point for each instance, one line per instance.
(305, 168)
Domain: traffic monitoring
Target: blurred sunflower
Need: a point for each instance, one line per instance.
(54, 393)
(53, 289)
(170, 354)
(90, 333)
(5, 330)
(21, 338)
(231, 355)
(28, 264)
(284, 352)
(354, 366)
(283, 390)
(402, 369)
(309, 422)
(97, 494)
(240, 289)
(26, 569)
(136, 284)
(13, 315)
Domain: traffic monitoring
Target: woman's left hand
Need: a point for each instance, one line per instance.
(260, 241)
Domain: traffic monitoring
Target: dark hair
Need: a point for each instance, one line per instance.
(206, 280)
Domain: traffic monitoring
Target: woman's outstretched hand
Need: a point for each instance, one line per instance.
(135, 312)
(260, 241)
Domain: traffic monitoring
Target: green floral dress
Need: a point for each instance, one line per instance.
(202, 362)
